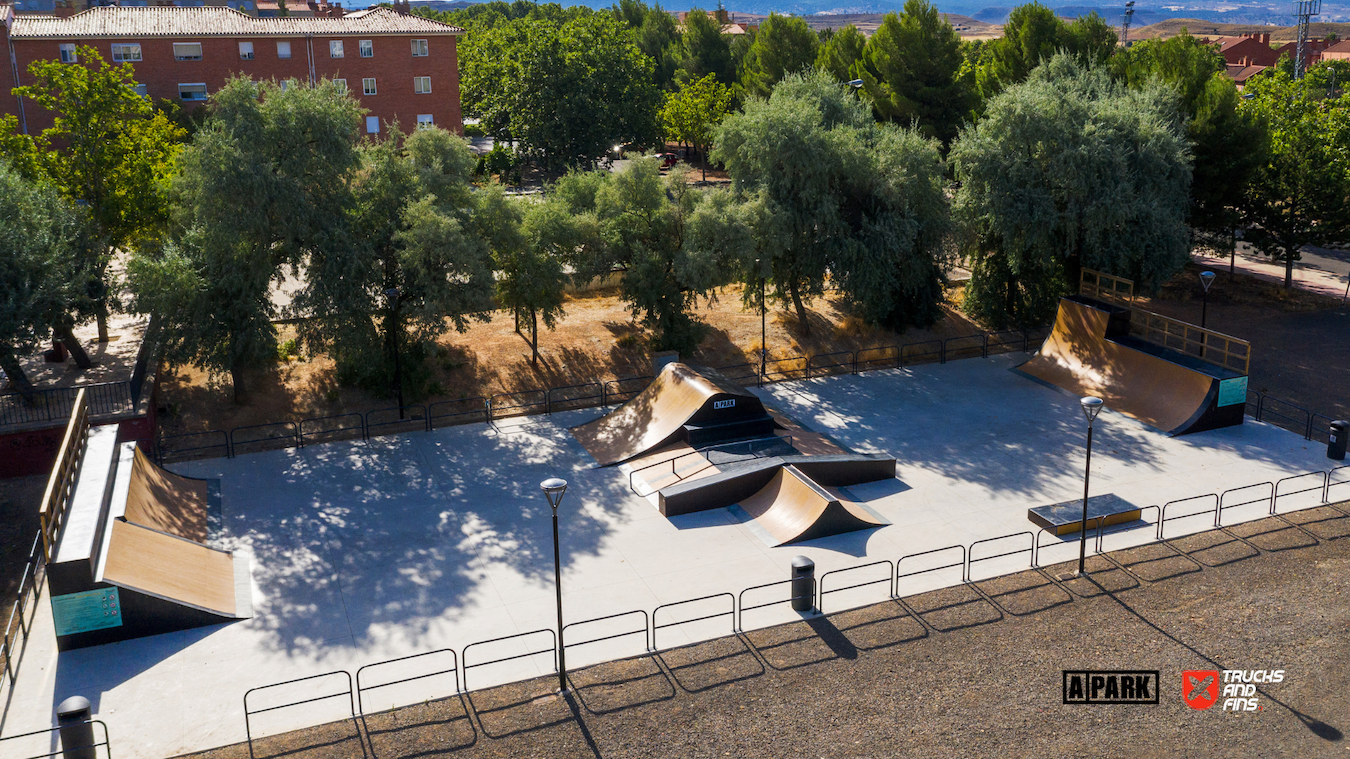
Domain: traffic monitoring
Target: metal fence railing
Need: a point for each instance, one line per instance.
(55, 404)
(440, 414)
(58, 748)
(734, 606)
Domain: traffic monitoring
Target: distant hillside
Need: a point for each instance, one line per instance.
(868, 23)
(1200, 28)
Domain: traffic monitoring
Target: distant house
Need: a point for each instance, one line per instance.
(400, 67)
(1337, 52)
(1253, 50)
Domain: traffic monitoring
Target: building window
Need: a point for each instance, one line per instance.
(285, 83)
(419, 48)
(245, 51)
(283, 50)
(368, 86)
(372, 125)
(187, 51)
(334, 48)
(142, 90)
(341, 85)
(192, 92)
(422, 85)
(367, 48)
(424, 121)
(68, 53)
(126, 53)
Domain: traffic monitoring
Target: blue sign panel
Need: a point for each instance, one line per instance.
(1232, 391)
(90, 610)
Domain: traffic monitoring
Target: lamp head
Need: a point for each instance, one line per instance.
(392, 294)
(1206, 279)
(554, 488)
(1092, 406)
(855, 83)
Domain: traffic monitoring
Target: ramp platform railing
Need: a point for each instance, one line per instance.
(61, 483)
(1215, 347)
(1102, 286)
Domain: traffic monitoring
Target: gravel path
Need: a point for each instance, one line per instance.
(967, 671)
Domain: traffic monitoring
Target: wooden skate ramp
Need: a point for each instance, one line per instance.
(792, 509)
(658, 415)
(164, 501)
(170, 568)
(1090, 352)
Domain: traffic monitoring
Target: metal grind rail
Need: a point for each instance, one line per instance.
(464, 653)
(674, 470)
(1268, 498)
(731, 612)
(349, 693)
(361, 689)
(889, 579)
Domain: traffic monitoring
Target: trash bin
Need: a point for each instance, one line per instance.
(77, 732)
(803, 584)
(1337, 438)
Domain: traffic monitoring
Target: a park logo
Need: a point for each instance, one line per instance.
(728, 403)
(1132, 686)
(1200, 688)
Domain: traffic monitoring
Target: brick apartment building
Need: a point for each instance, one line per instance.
(1250, 54)
(400, 67)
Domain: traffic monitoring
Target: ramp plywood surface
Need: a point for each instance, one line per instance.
(1079, 358)
(792, 509)
(164, 501)
(655, 416)
(171, 568)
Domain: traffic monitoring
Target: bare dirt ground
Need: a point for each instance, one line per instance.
(597, 339)
(1173, 26)
(974, 670)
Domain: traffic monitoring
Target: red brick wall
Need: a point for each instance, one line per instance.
(9, 103)
(393, 68)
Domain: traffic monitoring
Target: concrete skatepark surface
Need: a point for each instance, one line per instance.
(365, 551)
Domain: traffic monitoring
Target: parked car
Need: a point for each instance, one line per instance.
(668, 160)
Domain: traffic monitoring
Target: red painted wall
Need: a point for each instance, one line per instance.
(393, 68)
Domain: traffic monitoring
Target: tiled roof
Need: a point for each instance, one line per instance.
(1340, 47)
(215, 21)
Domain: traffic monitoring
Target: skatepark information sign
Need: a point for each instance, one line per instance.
(90, 610)
(1232, 391)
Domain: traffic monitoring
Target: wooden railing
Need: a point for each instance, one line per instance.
(1095, 284)
(61, 484)
(1214, 347)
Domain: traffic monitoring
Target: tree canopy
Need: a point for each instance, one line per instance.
(1066, 170)
(912, 72)
(783, 45)
(568, 91)
(1301, 193)
(840, 52)
(834, 194)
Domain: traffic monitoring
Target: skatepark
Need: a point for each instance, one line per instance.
(362, 552)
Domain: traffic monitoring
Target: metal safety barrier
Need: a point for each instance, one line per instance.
(1298, 419)
(823, 367)
(408, 417)
(1332, 483)
(53, 733)
(1163, 519)
(728, 613)
(793, 367)
(900, 576)
(286, 432)
(742, 608)
(979, 348)
(360, 689)
(464, 654)
(613, 393)
(477, 406)
(887, 356)
(1320, 488)
(351, 699)
(889, 579)
(970, 553)
(644, 632)
(327, 433)
(164, 452)
(923, 356)
(552, 403)
(503, 405)
(1224, 504)
(1102, 530)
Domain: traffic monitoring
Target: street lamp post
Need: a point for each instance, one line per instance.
(1206, 279)
(554, 488)
(392, 294)
(1091, 407)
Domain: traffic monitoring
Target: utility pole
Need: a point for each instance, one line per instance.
(1304, 10)
(1125, 24)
